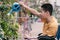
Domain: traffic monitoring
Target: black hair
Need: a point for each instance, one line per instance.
(47, 7)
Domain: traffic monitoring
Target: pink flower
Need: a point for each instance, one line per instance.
(1, 3)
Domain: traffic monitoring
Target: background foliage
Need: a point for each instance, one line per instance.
(8, 23)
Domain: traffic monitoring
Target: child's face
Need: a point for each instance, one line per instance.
(44, 14)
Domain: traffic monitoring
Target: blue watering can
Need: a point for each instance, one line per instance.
(15, 8)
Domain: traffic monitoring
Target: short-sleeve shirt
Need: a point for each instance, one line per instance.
(50, 28)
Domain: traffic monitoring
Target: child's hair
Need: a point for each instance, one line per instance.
(47, 7)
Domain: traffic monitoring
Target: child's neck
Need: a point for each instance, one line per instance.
(48, 19)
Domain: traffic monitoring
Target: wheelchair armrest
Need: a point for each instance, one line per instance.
(40, 34)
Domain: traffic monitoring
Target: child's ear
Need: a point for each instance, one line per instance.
(47, 13)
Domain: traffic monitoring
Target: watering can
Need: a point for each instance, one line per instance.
(15, 8)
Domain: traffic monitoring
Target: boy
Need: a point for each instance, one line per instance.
(50, 22)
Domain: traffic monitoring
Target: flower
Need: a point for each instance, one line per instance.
(1, 3)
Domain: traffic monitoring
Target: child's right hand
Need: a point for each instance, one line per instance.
(21, 3)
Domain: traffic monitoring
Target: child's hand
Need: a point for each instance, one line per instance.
(21, 3)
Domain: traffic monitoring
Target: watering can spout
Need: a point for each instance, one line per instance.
(10, 12)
